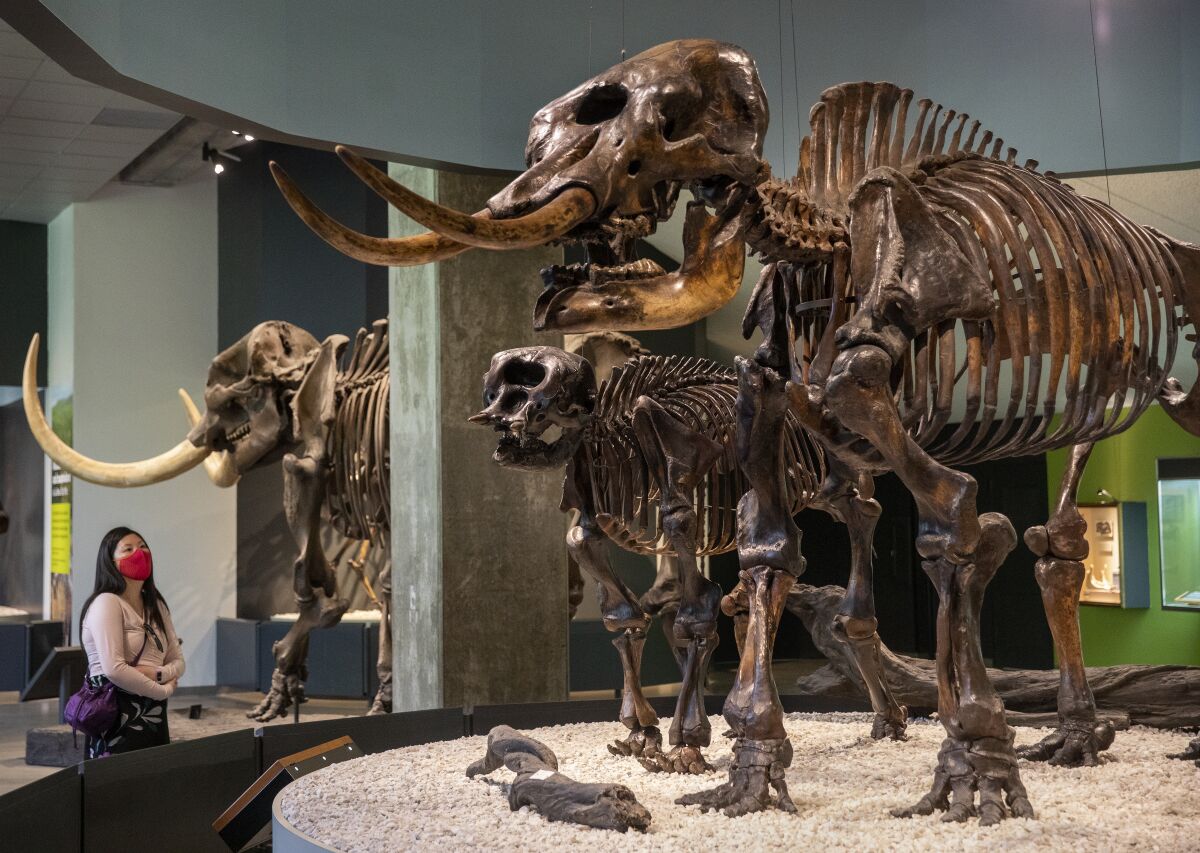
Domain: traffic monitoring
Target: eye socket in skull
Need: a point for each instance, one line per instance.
(601, 103)
(249, 389)
(529, 392)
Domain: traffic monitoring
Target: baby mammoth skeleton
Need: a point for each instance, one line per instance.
(650, 466)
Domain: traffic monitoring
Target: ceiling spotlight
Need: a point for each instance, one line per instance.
(244, 136)
(217, 157)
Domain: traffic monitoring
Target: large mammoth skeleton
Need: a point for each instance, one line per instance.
(912, 255)
(278, 395)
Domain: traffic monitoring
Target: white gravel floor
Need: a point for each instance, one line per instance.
(843, 783)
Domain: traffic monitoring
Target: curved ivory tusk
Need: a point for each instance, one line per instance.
(219, 465)
(182, 457)
(399, 252)
(550, 221)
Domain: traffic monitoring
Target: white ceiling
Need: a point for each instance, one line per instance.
(61, 139)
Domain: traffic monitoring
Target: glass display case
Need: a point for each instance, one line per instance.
(1179, 532)
(1117, 564)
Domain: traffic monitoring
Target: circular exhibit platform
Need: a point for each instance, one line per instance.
(843, 784)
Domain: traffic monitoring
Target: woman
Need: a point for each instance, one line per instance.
(130, 641)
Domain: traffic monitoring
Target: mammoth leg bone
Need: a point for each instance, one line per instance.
(769, 555)
(855, 625)
(1060, 547)
(622, 615)
(382, 703)
(313, 582)
(555, 796)
(678, 458)
(963, 552)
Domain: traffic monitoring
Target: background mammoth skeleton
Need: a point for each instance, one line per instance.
(278, 395)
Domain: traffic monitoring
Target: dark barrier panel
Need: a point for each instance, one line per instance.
(43, 815)
(23, 647)
(43, 636)
(337, 660)
(372, 734)
(822, 704)
(166, 797)
(594, 664)
(533, 714)
(13, 639)
(237, 658)
(371, 656)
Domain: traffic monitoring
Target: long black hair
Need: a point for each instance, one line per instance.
(110, 579)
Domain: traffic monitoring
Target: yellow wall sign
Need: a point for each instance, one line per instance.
(60, 539)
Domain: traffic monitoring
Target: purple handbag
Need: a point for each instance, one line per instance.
(93, 710)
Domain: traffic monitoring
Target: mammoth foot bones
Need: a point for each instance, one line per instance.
(1192, 753)
(645, 744)
(642, 742)
(987, 765)
(758, 766)
(1072, 744)
(555, 796)
(286, 690)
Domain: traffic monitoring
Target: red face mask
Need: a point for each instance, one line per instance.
(137, 566)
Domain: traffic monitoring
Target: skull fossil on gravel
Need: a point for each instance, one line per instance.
(249, 390)
(529, 390)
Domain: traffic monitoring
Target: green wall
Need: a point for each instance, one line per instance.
(1127, 466)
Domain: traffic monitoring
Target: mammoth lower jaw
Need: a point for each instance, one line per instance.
(710, 275)
(529, 452)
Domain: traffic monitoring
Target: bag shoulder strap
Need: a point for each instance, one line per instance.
(145, 640)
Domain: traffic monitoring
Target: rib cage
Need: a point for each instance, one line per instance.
(1088, 303)
(702, 394)
(358, 495)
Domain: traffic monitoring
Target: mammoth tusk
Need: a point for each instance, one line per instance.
(182, 457)
(398, 252)
(219, 465)
(548, 222)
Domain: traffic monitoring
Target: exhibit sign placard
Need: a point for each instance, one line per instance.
(59, 519)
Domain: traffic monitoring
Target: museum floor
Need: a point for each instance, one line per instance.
(17, 717)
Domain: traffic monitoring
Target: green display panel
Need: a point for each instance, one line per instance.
(1179, 532)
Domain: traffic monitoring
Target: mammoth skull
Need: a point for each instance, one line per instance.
(249, 390)
(604, 163)
(527, 392)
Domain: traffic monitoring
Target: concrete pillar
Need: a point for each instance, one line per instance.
(478, 562)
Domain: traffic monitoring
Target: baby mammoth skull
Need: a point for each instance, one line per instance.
(527, 392)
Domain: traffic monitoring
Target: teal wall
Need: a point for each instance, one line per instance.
(455, 82)
(1127, 466)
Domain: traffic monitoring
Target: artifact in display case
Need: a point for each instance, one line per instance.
(1117, 565)
(1179, 532)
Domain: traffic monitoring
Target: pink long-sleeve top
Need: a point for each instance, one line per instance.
(112, 635)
